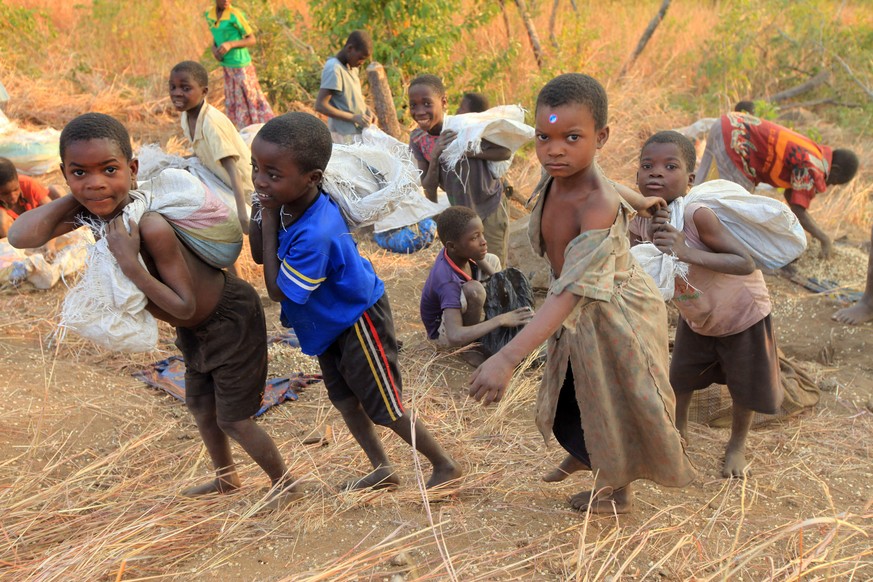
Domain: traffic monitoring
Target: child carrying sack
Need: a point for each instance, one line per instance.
(502, 125)
(767, 228)
(105, 306)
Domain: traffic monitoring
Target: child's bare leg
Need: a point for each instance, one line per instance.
(735, 455)
(862, 311)
(568, 466)
(262, 449)
(444, 467)
(202, 408)
(364, 431)
(683, 405)
(606, 500)
(474, 294)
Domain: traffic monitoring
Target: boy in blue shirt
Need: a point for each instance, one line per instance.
(330, 294)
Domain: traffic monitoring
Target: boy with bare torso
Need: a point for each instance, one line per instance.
(605, 393)
(218, 318)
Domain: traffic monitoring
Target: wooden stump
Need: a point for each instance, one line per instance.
(382, 100)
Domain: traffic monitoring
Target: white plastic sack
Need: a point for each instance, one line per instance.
(767, 228)
(412, 211)
(32, 266)
(371, 179)
(502, 125)
(32, 152)
(153, 160)
(107, 307)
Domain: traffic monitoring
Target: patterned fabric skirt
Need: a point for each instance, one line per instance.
(244, 102)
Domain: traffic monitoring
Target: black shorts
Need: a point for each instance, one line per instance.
(747, 362)
(226, 355)
(362, 363)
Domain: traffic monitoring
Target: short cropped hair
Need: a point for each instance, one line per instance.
(431, 81)
(452, 222)
(745, 107)
(7, 171)
(844, 166)
(477, 102)
(304, 136)
(577, 88)
(196, 70)
(90, 126)
(360, 40)
(686, 148)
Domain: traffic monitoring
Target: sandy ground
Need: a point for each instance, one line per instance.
(91, 463)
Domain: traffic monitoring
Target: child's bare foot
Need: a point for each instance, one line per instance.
(443, 474)
(381, 478)
(618, 501)
(474, 357)
(216, 486)
(857, 314)
(568, 466)
(281, 497)
(827, 248)
(735, 464)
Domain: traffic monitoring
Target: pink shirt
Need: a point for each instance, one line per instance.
(712, 303)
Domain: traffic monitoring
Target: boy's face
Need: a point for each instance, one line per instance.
(463, 108)
(99, 175)
(567, 139)
(426, 107)
(277, 178)
(10, 193)
(471, 244)
(185, 92)
(355, 57)
(662, 172)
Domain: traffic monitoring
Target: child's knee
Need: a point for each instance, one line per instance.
(349, 405)
(235, 429)
(201, 407)
(474, 293)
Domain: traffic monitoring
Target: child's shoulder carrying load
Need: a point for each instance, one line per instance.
(767, 228)
(107, 307)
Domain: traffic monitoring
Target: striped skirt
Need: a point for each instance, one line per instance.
(244, 102)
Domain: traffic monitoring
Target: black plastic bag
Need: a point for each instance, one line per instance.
(505, 291)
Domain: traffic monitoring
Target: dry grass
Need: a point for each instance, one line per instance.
(91, 461)
(97, 498)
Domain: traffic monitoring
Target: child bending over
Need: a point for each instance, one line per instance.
(453, 298)
(330, 294)
(750, 151)
(213, 137)
(18, 194)
(219, 320)
(724, 335)
(605, 393)
(470, 183)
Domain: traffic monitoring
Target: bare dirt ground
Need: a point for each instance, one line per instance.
(92, 462)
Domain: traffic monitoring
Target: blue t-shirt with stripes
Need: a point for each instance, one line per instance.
(328, 284)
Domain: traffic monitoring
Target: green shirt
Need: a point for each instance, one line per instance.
(232, 26)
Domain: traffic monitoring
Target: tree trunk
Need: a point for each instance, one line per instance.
(506, 21)
(531, 32)
(382, 99)
(644, 39)
(804, 87)
(552, 21)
